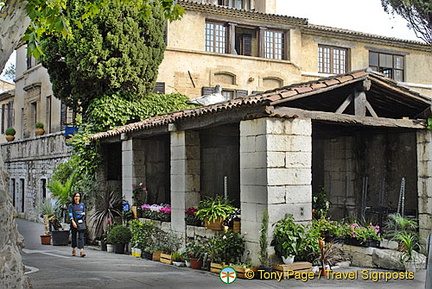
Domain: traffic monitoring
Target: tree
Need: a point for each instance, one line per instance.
(119, 49)
(33, 18)
(418, 13)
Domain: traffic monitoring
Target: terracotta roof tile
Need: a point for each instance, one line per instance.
(345, 78)
(303, 89)
(318, 85)
(274, 97)
(331, 82)
(288, 93)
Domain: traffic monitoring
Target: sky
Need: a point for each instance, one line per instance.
(360, 15)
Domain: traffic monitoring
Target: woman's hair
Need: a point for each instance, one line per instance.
(73, 198)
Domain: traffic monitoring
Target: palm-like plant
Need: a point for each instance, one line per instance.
(108, 205)
(62, 191)
(408, 244)
(396, 223)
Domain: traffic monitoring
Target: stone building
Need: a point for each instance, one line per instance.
(279, 147)
(241, 45)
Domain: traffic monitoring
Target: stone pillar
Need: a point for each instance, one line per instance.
(133, 166)
(185, 176)
(424, 183)
(275, 174)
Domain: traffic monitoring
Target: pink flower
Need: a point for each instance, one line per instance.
(145, 207)
(144, 189)
(109, 221)
(133, 186)
(140, 184)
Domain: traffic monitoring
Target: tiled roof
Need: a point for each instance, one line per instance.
(271, 97)
(367, 37)
(240, 13)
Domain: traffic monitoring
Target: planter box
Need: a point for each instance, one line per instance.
(166, 258)
(45, 239)
(60, 237)
(241, 271)
(215, 225)
(156, 255)
(216, 267)
(237, 226)
(296, 266)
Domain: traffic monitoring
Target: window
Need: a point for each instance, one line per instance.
(273, 44)
(332, 60)
(391, 65)
(48, 114)
(7, 116)
(239, 4)
(67, 116)
(43, 189)
(215, 38)
(22, 189)
(13, 191)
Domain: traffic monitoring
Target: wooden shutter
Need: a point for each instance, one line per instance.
(247, 44)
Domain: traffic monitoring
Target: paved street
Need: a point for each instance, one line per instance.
(53, 267)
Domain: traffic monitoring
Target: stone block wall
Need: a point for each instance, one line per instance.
(30, 163)
(275, 174)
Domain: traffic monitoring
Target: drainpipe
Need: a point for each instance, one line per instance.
(428, 283)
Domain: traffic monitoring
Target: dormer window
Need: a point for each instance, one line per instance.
(239, 4)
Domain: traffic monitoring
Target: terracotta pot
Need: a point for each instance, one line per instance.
(45, 239)
(39, 131)
(10, 137)
(195, 263)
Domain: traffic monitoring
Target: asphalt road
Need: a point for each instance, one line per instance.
(53, 267)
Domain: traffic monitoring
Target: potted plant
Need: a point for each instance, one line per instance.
(263, 242)
(194, 253)
(178, 259)
(119, 236)
(288, 238)
(191, 218)
(46, 210)
(408, 243)
(10, 133)
(213, 211)
(39, 128)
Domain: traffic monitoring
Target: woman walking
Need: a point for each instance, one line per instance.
(77, 214)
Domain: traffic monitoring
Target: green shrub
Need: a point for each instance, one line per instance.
(10, 131)
(119, 235)
(39, 125)
(288, 237)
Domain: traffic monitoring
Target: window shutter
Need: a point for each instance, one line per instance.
(159, 88)
(241, 93)
(207, 90)
(247, 44)
(63, 116)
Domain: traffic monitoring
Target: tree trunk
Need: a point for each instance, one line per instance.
(13, 23)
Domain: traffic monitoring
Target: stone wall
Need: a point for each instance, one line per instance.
(11, 266)
(30, 164)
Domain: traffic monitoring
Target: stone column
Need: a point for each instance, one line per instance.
(185, 176)
(275, 174)
(133, 166)
(424, 183)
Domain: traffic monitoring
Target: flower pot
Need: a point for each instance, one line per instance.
(179, 263)
(110, 248)
(60, 237)
(195, 263)
(147, 255)
(10, 137)
(288, 260)
(119, 248)
(103, 245)
(45, 239)
(39, 131)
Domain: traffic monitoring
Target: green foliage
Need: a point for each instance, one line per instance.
(119, 235)
(177, 257)
(212, 209)
(194, 250)
(396, 223)
(119, 49)
(320, 204)
(167, 242)
(288, 237)
(39, 125)
(142, 234)
(409, 242)
(47, 207)
(119, 109)
(226, 248)
(10, 131)
(10, 72)
(263, 241)
(418, 13)
(62, 191)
